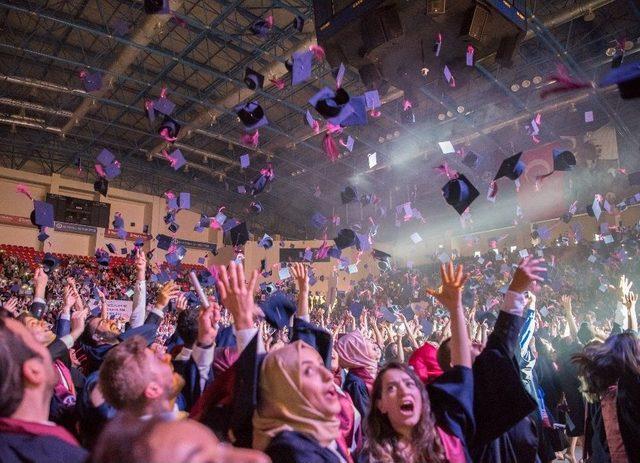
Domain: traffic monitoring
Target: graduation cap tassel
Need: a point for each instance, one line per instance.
(330, 148)
(564, 83)
(279, 83)
(100, 170)
(318, 52)
(20, 188)
(251, 139)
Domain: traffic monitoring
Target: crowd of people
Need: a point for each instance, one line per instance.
(511, 355)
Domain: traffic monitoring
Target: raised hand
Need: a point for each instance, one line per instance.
(69, 299)
(630, 300)
(236, 294)
(566, 303)
(181, 303)
(78, 321)
(528, 271)
(40, 280)
(169, 291)
(449, 294)
(301, 275)
(141, 264)
(624, 286)
(11, 306)
(208, 324)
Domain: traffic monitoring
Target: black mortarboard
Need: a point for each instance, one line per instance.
(49, 262)
(156, 6)
(470, 160)
(627, 77)
(252, 79)
(101, 186)
(170, 126)
(259, 184)
(345, 239)
(408, 312)
(330, 103)
(111, 248)
(278, 309)
(239, 234)
(251, 115)
(298, 23)
(42, 236)
(356, 309)
(348, 195)
(261, 27)
(384, 259)
(459, 193)
(563, 160)
(92, 82)
(164, 242)
(43, 214)
(512, 168)
(266, 242)
(255, 207)
(103, 258)
(634, 178)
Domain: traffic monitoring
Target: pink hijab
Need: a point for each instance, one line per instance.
(355, 351)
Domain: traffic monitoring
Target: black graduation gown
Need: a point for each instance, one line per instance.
(191, 391)
(357, 390)
(628, 407)
(295, 447)
(504, 432)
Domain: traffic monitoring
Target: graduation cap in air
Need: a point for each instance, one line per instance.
(239, 234)
(348, 195)
(252, 79)
(627, 78)
(184, 200)
(318, 220)
(408, 312)
(298, 23)
(512, 168)
(111, 248)
(266, 242)
(169, 129)
(164, 106)
(278, 309)
(101, 186)
(345, 239)
(334, 252)
(259, 184)
(164, 242)
(255, 207)
(356, 309)
(103, 258)
(356, 111)
(384, 259)
(156, 6)
(301, 67)
(118, 222)
(92, 82)
(634, 178)
(330, 104)
(459, 193)
(388, 315)
(261, 27)
(470, 160)
(251, 115)
(177, 160)
(42, 236)
(49, 262)
(42, 214)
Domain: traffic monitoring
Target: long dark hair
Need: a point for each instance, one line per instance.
(382, 439)
(602, 365)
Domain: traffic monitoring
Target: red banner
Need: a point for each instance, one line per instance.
(548, 201)
(131, 236)
(7, 219)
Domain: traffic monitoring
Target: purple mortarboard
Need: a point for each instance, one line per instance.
(332, 105)
(349, 144)
(358, 113)
(239, 234)
(172, 202)
(298, 23)
(284, 273)
(308, 255)
(172, 258)
(118, 222)
(43, 214)
(311, 122)
(627, 78)
(102, 258)
(122, 233)
(266, 242)
(124, 251)
(261, 27)
(242, 190)
(163, 277)
(112, 171)
(340, 75)
(164, 242)
(363, 242)
(229, 224)
(460, 193)
(278, 309)
(42, 236)
(101, 186)
(105, 157)
(334, 252)
(348, 195)
(252, 79)
(388, 315)
(185, 200)
(318, 220)
(356, 309)
(372, 99)
(177, 159)
(92, 82)
(220, 218)
(156, 6)
(164, 106)
(138, 243)
(302, 64)
(251, 115)
(588, 116)
(201, 260)
(244, 161)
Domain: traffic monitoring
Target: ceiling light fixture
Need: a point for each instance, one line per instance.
(526, 83)
(515, 87)
(537, 80)
(441, 117)
(460, 109)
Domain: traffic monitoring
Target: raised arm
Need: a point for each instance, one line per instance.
(139, 290)
(39, 304)
(450, 296)
(568, 313)
(301, 275)
(630, 303)
(237, 296)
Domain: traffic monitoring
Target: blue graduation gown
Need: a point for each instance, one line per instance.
(357, 390)
(21, 448)
(295, 447)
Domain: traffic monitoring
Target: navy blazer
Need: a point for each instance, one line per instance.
(295, 447)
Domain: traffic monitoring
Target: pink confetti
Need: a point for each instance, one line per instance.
(100, 170)
(406, 104)
(269, 21)
(164, 134)
(251, 139)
